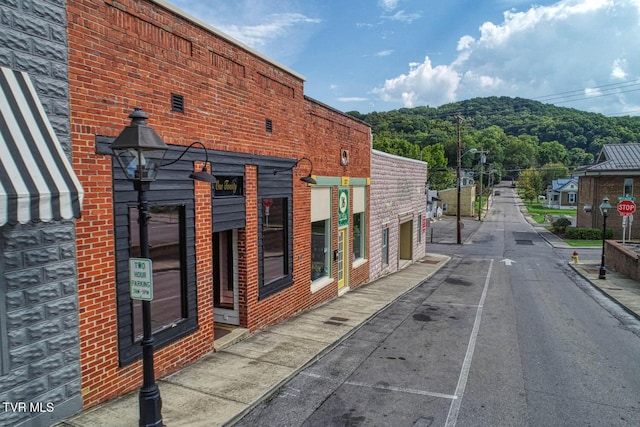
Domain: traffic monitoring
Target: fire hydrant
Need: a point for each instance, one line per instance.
(575, 257)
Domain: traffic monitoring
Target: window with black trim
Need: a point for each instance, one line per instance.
(385, 246)
(274, 239)
(628, 187)
(358, 236)
(166, 249)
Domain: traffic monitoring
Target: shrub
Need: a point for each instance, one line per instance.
(560, 225)
(582, 233)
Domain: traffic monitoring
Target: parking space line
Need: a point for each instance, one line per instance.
(452, 417)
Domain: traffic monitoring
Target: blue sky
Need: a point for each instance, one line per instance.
(380, 55)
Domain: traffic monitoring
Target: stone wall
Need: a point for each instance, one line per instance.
(39, 350)
(41, 366)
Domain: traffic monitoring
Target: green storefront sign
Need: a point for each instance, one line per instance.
(343, 207)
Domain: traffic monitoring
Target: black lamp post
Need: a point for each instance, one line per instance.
(604, 210)
(140, 152)
(306, 179)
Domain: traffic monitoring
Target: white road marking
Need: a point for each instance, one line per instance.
(388, 388)
(454, 409)
(402, 390)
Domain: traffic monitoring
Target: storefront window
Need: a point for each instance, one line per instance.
(319, 249)
(165, 249)
(358, 235)
(385, 246)
(274, 239)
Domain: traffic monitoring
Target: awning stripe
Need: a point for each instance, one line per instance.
(37, 181)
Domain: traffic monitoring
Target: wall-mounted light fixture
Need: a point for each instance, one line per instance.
(203, 175)
(306, 179)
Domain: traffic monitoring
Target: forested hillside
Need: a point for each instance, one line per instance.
(517, 133)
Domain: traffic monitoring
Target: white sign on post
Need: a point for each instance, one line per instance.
(141, 279)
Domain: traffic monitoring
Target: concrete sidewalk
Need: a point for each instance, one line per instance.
(224, 385)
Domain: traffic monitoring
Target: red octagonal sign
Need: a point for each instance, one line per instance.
(626, 207)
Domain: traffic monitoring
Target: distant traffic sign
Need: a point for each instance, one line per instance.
(626, 207)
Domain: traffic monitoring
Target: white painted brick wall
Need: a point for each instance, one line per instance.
(397, 192)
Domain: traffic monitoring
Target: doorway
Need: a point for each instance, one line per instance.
(405, 245)
(342, 250)
(225, 277)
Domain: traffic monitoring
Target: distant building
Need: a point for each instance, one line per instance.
(615, 174)
(562, 193)
(449, 199)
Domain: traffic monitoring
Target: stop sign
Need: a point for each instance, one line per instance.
(626, 207)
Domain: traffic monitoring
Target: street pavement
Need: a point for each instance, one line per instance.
(246, 369)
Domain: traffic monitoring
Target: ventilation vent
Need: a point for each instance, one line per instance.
(177, 103)
(268, 125)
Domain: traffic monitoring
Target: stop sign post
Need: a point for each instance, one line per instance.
(626, 207)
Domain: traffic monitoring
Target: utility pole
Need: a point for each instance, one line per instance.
(459, 119)
(483, 158)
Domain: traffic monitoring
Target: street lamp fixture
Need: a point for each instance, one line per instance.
(306, 179)
(140, 152)
(604, 210)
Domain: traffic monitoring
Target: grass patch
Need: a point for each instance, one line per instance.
(541, 210)
(540, 219)
(593, 243)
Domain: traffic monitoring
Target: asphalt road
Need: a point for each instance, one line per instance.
(504, 335)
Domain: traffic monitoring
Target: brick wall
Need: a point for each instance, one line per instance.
(139, 55)
(397, 195)
(327, 133)
(622, 259)
(38, 285)
(591, 190)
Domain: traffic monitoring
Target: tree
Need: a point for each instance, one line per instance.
(552, 152)
(439, 176)
(532, 182)
(397, 146)
(552, 171)
(520, 152)
(579, 157)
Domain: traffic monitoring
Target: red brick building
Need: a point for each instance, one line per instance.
(250, 250)
(614, 175)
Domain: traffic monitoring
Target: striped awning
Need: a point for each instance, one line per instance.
(37, 182)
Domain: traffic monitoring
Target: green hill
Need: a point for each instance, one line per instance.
(518, 133)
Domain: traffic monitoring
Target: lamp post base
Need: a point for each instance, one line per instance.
(150, 407)
(603, 273)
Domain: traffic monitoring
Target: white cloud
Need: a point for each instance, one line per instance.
(567, 46)
(403, 16)
(352, 99)
(278, 30)
(274, 26)
(388, 5)
(423, 84)
(592, 92)
(384, 52)
(618, 69)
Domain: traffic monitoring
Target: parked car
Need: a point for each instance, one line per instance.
(496, 193)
